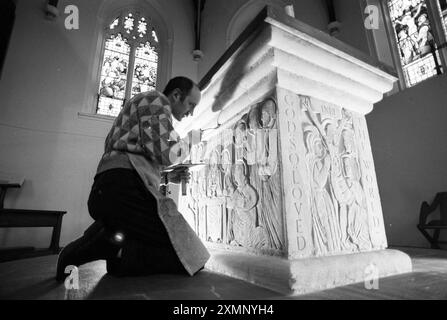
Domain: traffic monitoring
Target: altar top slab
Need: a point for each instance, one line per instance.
(275, 17)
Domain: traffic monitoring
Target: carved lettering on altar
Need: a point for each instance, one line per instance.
(293, 158)
(369, 183)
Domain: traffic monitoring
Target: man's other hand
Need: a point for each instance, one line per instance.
(179, 175)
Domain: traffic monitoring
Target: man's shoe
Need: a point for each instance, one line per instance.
(128, 264)
(91, 246)
(142, 259)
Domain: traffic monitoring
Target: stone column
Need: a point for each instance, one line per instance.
(289, 198)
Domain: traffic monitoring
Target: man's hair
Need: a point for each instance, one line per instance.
(184, 84)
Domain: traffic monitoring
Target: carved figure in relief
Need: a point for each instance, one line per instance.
(193, 204)
(202, 187)
(263, 173)
(227, 192)
(228, 183)
(346, 227)
(322, 207)
(198, 152)
(267, 140)
(251, 148)
(195, 158)
(357, 222)
(214, 176)
(341, 191)
(243, 142)
(240, 139)
(337, 185)
(245, 227)
(323, 161)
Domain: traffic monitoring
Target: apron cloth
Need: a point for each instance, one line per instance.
(189, 248)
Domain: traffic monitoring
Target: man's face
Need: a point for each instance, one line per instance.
(183, 108)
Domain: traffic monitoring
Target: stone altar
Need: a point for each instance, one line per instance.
(288, 198)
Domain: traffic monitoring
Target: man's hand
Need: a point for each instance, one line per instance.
(178, 175)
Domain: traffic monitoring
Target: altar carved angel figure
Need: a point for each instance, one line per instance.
(193, 203)
(243, 142)
(322, 142)
(322, 207)
(214, 176)
(266, 138)
(228, 182)
(357, 213)
(263, 174)
(246, 230)
(228, 189)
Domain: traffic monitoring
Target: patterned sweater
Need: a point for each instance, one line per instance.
(143, 138)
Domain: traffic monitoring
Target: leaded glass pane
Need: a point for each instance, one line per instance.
(131, 32)
(442, 5)
(129, 23)
(145, 71)
(114, 24)
(419, 70)
(154, 35)
(142, 27)
(109, 107)
(414, 39)
(112, 87)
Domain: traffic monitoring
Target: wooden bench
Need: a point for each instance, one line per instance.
(435, 225)
(23, 218)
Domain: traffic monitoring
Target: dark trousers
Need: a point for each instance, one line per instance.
(120, 200)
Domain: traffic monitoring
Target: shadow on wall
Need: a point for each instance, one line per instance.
(408, 135)
(246, 13)
(238, 67)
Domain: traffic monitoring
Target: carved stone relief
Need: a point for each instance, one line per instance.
(236, 197)
(235, 200)
(338, 201)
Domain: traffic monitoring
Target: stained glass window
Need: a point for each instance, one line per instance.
(142, 27)
(145, 71)
(128, 23)
(130, 62)
(415, 41)
(442, 6)
(112, 89)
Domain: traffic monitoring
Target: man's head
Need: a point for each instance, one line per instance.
(184, 95)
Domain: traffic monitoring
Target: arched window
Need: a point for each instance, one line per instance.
(419, 29)
(129, 61)
(443, 9)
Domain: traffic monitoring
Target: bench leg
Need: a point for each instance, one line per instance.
(55, 237)
(436, 238)
(432, 240)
